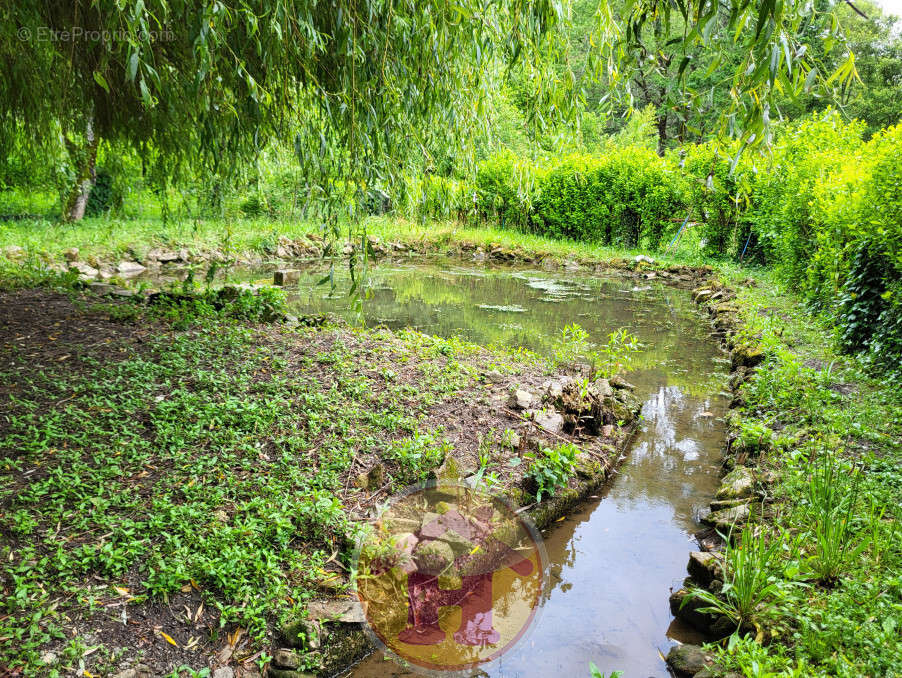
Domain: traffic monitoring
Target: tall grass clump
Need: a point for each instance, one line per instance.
(750, 580)
(832, 493)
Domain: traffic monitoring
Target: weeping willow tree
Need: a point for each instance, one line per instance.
(357, 86)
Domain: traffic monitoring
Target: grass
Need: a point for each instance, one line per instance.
(112, 239)
(749, 585)
(829, 433)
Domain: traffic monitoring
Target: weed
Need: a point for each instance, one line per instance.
(605, 360)
(552, 467)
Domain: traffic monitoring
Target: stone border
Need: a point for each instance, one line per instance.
(736, 500)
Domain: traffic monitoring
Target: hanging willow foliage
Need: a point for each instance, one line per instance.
(357, 86)
(762, 48)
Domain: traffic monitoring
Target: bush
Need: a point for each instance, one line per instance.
(713, 192)
(431, 196)
(626, 197)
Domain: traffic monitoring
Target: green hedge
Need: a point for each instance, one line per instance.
(628, 197)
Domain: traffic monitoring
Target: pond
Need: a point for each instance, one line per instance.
(614, 562)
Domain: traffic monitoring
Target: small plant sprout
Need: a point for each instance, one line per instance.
(604, 360)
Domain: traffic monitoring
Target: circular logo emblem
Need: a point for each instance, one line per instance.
(450, 577)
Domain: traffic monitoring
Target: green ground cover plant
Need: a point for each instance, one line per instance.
(204, 463)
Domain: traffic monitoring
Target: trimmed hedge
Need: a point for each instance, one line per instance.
(628, 197)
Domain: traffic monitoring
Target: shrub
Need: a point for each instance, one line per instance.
(505, 187)
(431, 196)
(626, 197)
(712, 190)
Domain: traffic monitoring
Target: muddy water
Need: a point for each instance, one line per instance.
(614, 562)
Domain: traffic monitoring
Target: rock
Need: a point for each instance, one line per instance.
(372, 479)
(433, 557)
(286, 658)
(521, 399)
(449, 471)
(224, 672)
(286, 276)
(494, 375)
(688, 610)
(344, 611)
(701, 294)
(587, 466)
(458, 543)
(138, 671)
(625, 406)
(165, 256)
(603, 388)
(232, 292)
(14, 252)
(85, 271)
(619, 382)
(549, 419)
(746, 356)
(102, 288)
(704, 567)
(715, 671)
(273, 672)
(719, 504)
(405, 542)
(106, 272)
(71, 254)
(431, 527)
(397, 525)
(737, 484)
(127, 269)
(725, 519)
(552, 388)
(687, 660)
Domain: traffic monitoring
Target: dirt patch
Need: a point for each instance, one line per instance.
(462, 394)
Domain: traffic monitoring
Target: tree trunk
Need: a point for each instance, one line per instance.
(662, 133)
(77, 201)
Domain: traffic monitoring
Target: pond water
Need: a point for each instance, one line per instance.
(614, 562)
